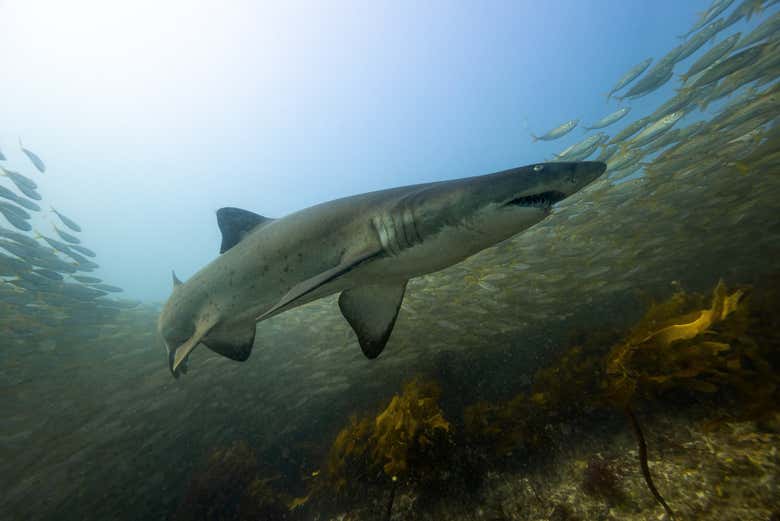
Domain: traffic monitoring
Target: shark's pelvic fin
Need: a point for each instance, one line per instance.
(235, 224)
(300, 291)
(179, 353)
(235, 344)
(371, 311)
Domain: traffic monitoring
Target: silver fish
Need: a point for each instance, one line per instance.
(769, 27)
(730, 65)
(33, 157)
(87, 280)
(19, 179)
(711, 56)
(717, 7)
(107, 287)
(630, 76)
(559, 131)
(657, 129)
(82, 250)
(583, 149)
(610, 119)
(653, 80)
(699, 39)
(65, 236)
(70, 223)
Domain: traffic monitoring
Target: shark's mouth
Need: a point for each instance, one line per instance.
(540, 200)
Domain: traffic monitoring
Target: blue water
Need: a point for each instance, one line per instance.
(151, 117)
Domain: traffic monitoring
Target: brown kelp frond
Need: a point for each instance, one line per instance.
(407, 427)
(403, 443)
(676, 346)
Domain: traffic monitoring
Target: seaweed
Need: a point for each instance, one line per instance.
(685, 343)
(705, 347)
(676, 346)
(679, 344)
(642, 446)
(407, 429)
(406, 442)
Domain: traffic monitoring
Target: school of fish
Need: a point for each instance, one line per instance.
(43, 287)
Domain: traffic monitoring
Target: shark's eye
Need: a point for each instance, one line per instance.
(538, 168)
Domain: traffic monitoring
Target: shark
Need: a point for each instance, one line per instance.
(365, 247)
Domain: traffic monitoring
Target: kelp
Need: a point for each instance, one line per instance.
(717, 346)
(685, 343)
(403, 443)
(405, 431)
(395, 443)
(679, 344)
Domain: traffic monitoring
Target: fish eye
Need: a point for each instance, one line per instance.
(538, 168)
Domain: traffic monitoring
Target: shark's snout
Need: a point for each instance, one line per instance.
(585, 172)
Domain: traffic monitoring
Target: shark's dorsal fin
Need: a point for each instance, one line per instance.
(371, 311)
(176, 281)
(235, 224)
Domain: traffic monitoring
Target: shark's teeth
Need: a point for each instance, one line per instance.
(542, 199)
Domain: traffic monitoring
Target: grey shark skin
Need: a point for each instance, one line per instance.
(365, 247)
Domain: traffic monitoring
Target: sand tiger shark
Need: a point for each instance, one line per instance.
(365, 247)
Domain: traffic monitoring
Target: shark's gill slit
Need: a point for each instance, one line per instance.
(381, 232)
(410, 227)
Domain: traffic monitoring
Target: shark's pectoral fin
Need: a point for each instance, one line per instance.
(235, 343)
(300, 291)
(235, 224)
(371, 311)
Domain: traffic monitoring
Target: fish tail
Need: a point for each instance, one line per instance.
(534, 138)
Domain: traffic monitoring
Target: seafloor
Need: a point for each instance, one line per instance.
(722, 473)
